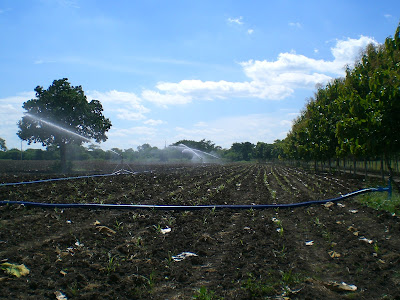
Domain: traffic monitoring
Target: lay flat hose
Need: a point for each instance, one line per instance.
(192, 207)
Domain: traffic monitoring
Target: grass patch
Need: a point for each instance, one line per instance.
(380, 201)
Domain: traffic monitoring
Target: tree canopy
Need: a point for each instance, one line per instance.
(62, 115)
(357, 115)
(3, 145)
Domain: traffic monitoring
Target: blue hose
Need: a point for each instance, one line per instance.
(191, 207)
(69, 178)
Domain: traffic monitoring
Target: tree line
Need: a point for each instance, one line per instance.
(355, 117)
(244, 151)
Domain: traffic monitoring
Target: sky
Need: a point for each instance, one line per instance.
(167, 70)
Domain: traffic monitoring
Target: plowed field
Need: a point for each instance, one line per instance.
(339, 251)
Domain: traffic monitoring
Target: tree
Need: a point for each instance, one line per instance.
(62, 116)
(3, 145)
(243, 151)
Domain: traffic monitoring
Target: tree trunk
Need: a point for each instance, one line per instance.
(366, 168)
(382, 171)
(344, 164)
(63, 157)
(391, 173)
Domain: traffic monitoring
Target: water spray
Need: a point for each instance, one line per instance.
(198, 153)
(58, 127)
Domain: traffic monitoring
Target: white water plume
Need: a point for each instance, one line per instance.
(57, 127)
(198, 154)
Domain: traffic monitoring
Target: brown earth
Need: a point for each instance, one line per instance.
(240, 254)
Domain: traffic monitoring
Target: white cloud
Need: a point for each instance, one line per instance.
(152, 122)
(388, 16)
(295, 24)
(11, 112)
(165, 99)
(126, 105)
(263, 127)
(250, 31)
(272, 80)
(236, 20)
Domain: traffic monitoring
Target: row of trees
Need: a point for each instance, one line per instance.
(357, 116)
(238, 152)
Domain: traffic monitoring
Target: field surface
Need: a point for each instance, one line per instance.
(338, 251)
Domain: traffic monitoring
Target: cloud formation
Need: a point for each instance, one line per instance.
(269, 80)
(127, 106)
(236, 20)
(237, 128)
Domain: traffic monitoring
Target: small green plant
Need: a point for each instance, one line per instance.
(204, 294)
(376, 248)
(257, 288)
(157, 228)
(118, 225)
(112, 263)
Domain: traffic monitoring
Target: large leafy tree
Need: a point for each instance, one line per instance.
(62, 116)
(3, 145)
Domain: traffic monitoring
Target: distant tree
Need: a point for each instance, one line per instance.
(3, 145)
(203, 145)
(67, 107)
(243, 151)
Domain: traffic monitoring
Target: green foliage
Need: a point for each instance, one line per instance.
(381, 201)
(65, 106)
(3, 145)
(354, 116)
(204, 294)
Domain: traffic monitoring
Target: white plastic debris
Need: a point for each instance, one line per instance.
(165, 230)
(183, 255)
(364, 239)
(353, 211)
(79, 244)
(309, 243)
(60, 296)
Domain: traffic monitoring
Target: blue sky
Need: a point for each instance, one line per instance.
(226, 71)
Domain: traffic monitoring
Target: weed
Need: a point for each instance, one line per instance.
(73, 289)
(257, 288)
(112, 263)
(380, 201)
(118, 225)
(376, 248)
(204, 294)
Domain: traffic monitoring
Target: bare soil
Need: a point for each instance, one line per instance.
(300, 253)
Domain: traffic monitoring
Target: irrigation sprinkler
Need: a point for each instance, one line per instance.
(122, 170)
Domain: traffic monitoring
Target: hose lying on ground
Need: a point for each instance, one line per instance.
(193, 207)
